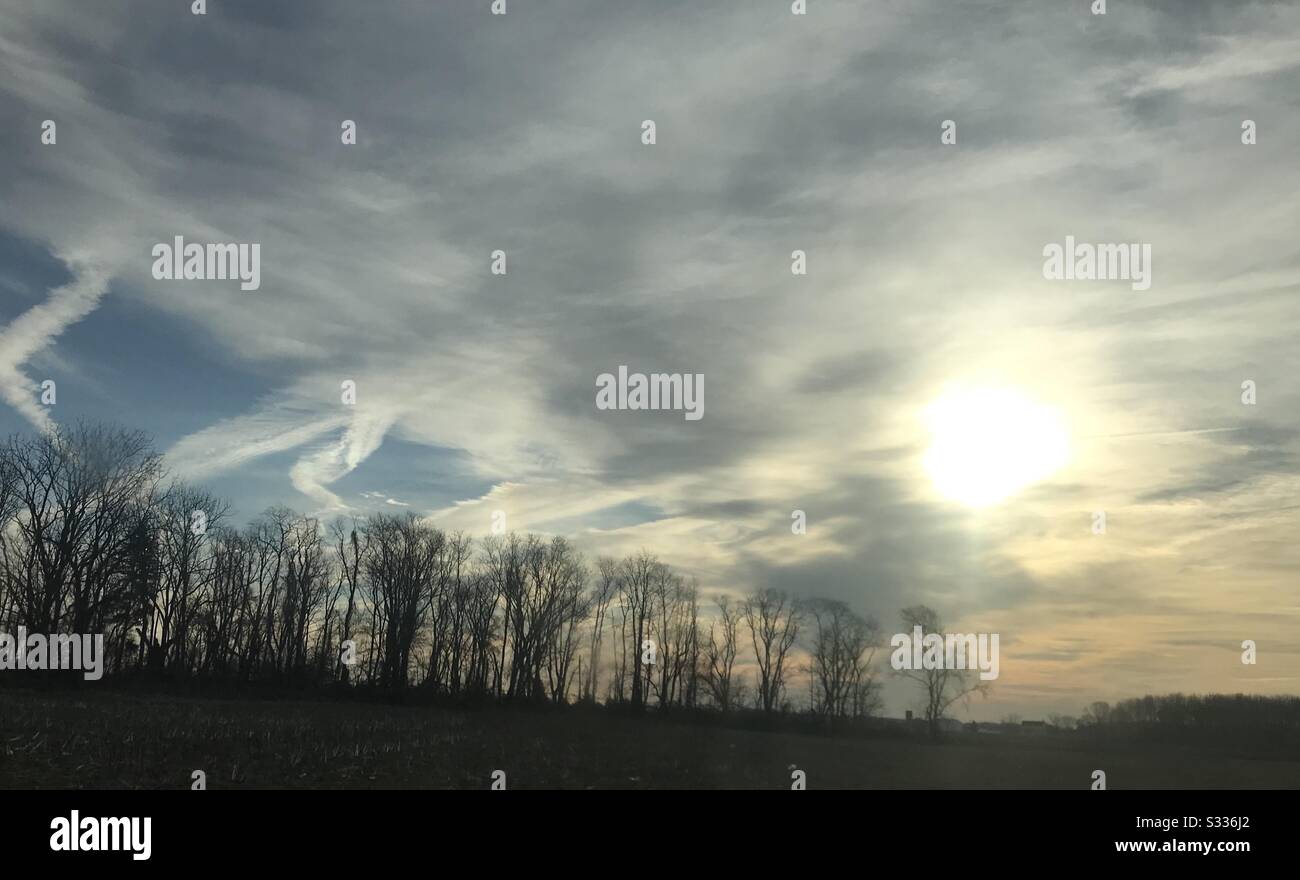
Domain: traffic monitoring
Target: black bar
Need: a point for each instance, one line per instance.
(335, 830)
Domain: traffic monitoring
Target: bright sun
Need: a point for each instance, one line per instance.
(990, 443)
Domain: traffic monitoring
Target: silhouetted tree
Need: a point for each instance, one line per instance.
(940, 687)
(773, 627)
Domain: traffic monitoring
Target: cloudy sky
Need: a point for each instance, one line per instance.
(774, 132)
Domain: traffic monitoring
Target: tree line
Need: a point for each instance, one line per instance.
(96, 538)
(1197, 712)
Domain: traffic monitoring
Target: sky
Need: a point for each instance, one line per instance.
(774, 132)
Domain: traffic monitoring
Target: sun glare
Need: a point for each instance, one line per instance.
(990, 443)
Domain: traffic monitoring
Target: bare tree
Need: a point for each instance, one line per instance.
(673, 618)
(350, 553)
(185, 570)
(940, 687)
(458, 633)
(720, 653)
(560, 580)
(606, 587)
(401, 575)
(72, 496)
(641, 576)
(1097, 714)
(1062, 722)
(843, 646)
(773, 627)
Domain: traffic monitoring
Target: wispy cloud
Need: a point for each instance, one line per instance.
(35, 329)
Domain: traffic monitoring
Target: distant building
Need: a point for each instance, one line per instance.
(1036, 727)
